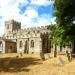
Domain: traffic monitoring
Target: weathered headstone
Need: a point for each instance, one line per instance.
(49, 56)
(61, 61)
(69, 55)
(42, 56)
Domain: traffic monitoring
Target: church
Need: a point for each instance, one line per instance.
(28, 40)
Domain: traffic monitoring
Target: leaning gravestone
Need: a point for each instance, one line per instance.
(60, 61)
(42, 56)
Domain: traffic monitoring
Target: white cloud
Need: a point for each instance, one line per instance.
(31, 13)
(42, 2)
(9, 10)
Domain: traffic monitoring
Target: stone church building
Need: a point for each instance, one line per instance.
(29, 40)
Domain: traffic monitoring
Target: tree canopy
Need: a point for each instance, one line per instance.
(64, 11)
(56, 32)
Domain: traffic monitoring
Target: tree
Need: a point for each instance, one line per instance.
(64, 10)
(56, 34)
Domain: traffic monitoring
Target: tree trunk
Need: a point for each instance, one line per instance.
(60, 48)
(73, 47)
(55, 51)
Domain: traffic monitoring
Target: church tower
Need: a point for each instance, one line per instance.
(11, 26)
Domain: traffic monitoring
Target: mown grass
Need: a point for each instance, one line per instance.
(31, 64)
(17, 63)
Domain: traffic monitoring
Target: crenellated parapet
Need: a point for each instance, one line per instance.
(14, 31)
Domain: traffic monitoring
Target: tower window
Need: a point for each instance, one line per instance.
(8, 27)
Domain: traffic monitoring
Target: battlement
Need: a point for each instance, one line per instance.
(13, 31)
(36, 28)
(33, 29)
(11, 21)
(12, 25)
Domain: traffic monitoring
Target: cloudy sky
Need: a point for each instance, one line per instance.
(29, 12)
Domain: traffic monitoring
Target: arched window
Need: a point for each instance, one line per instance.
(32, 43)
(20, 43)
(26, 45)
(1, 45)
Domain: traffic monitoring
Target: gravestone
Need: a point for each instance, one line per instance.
(69, 55)
(61, 61)
(42, 56)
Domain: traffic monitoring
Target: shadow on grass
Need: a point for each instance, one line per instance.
(17, 64)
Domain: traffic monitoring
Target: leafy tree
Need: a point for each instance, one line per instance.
(56, 34)
(64, 10)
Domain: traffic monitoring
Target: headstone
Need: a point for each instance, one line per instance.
(42, 56)
(49, 56)
(61, 61)
(68, 55)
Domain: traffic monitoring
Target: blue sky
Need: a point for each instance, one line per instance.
(29, 12)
